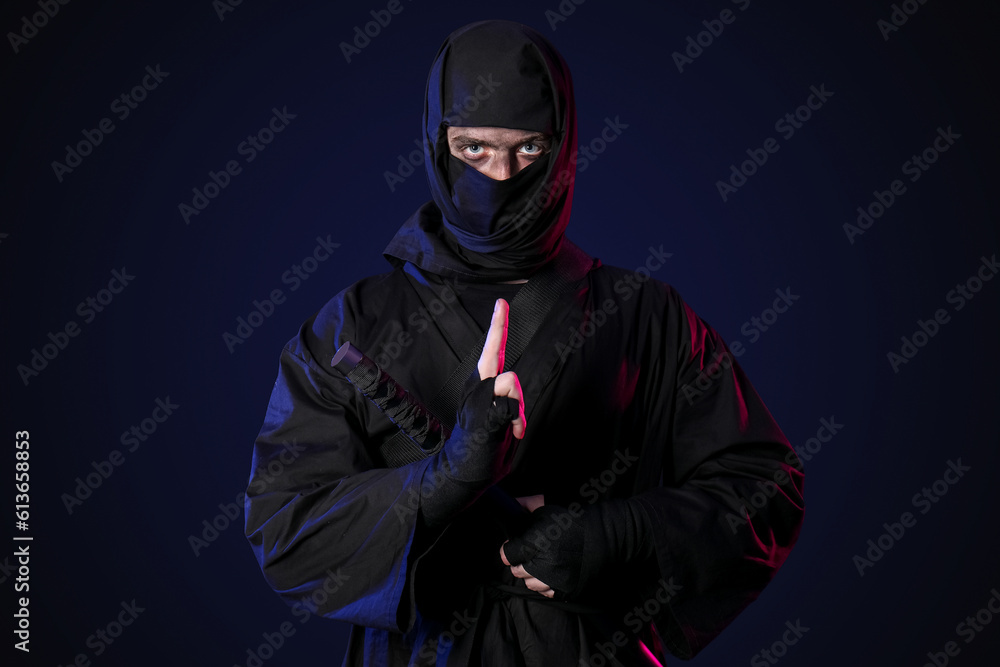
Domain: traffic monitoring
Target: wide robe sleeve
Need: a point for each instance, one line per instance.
(731, 500)
(332, 528)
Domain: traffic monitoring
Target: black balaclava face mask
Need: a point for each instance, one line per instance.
(494, 74)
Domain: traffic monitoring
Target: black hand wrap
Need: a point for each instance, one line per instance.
(568, 548)
(477, 454)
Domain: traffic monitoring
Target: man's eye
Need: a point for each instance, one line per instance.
(533, 149)
(474, 149)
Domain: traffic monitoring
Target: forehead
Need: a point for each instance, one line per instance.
(494, 135)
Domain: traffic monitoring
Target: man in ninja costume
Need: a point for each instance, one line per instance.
(587, 504)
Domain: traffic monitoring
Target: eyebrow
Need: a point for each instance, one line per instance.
(466, 139)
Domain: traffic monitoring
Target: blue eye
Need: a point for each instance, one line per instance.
(474, 149)
(527, 148)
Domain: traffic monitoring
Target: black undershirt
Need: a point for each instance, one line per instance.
(478, 299)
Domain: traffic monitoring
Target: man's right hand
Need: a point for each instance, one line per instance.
(491, 362)
(480, 450)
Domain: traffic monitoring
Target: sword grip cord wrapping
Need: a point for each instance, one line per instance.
(390, 397)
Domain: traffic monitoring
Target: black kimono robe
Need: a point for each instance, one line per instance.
(627, 393)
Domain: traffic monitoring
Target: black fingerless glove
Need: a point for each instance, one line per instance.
(477, 454)
(568, 548)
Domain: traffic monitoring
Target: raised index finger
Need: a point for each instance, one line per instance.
(491, 359)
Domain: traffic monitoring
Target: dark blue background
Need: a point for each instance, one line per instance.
(656, 184)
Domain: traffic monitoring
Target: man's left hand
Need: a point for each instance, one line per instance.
(533, 583)
(549, 556)
(564, 550)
